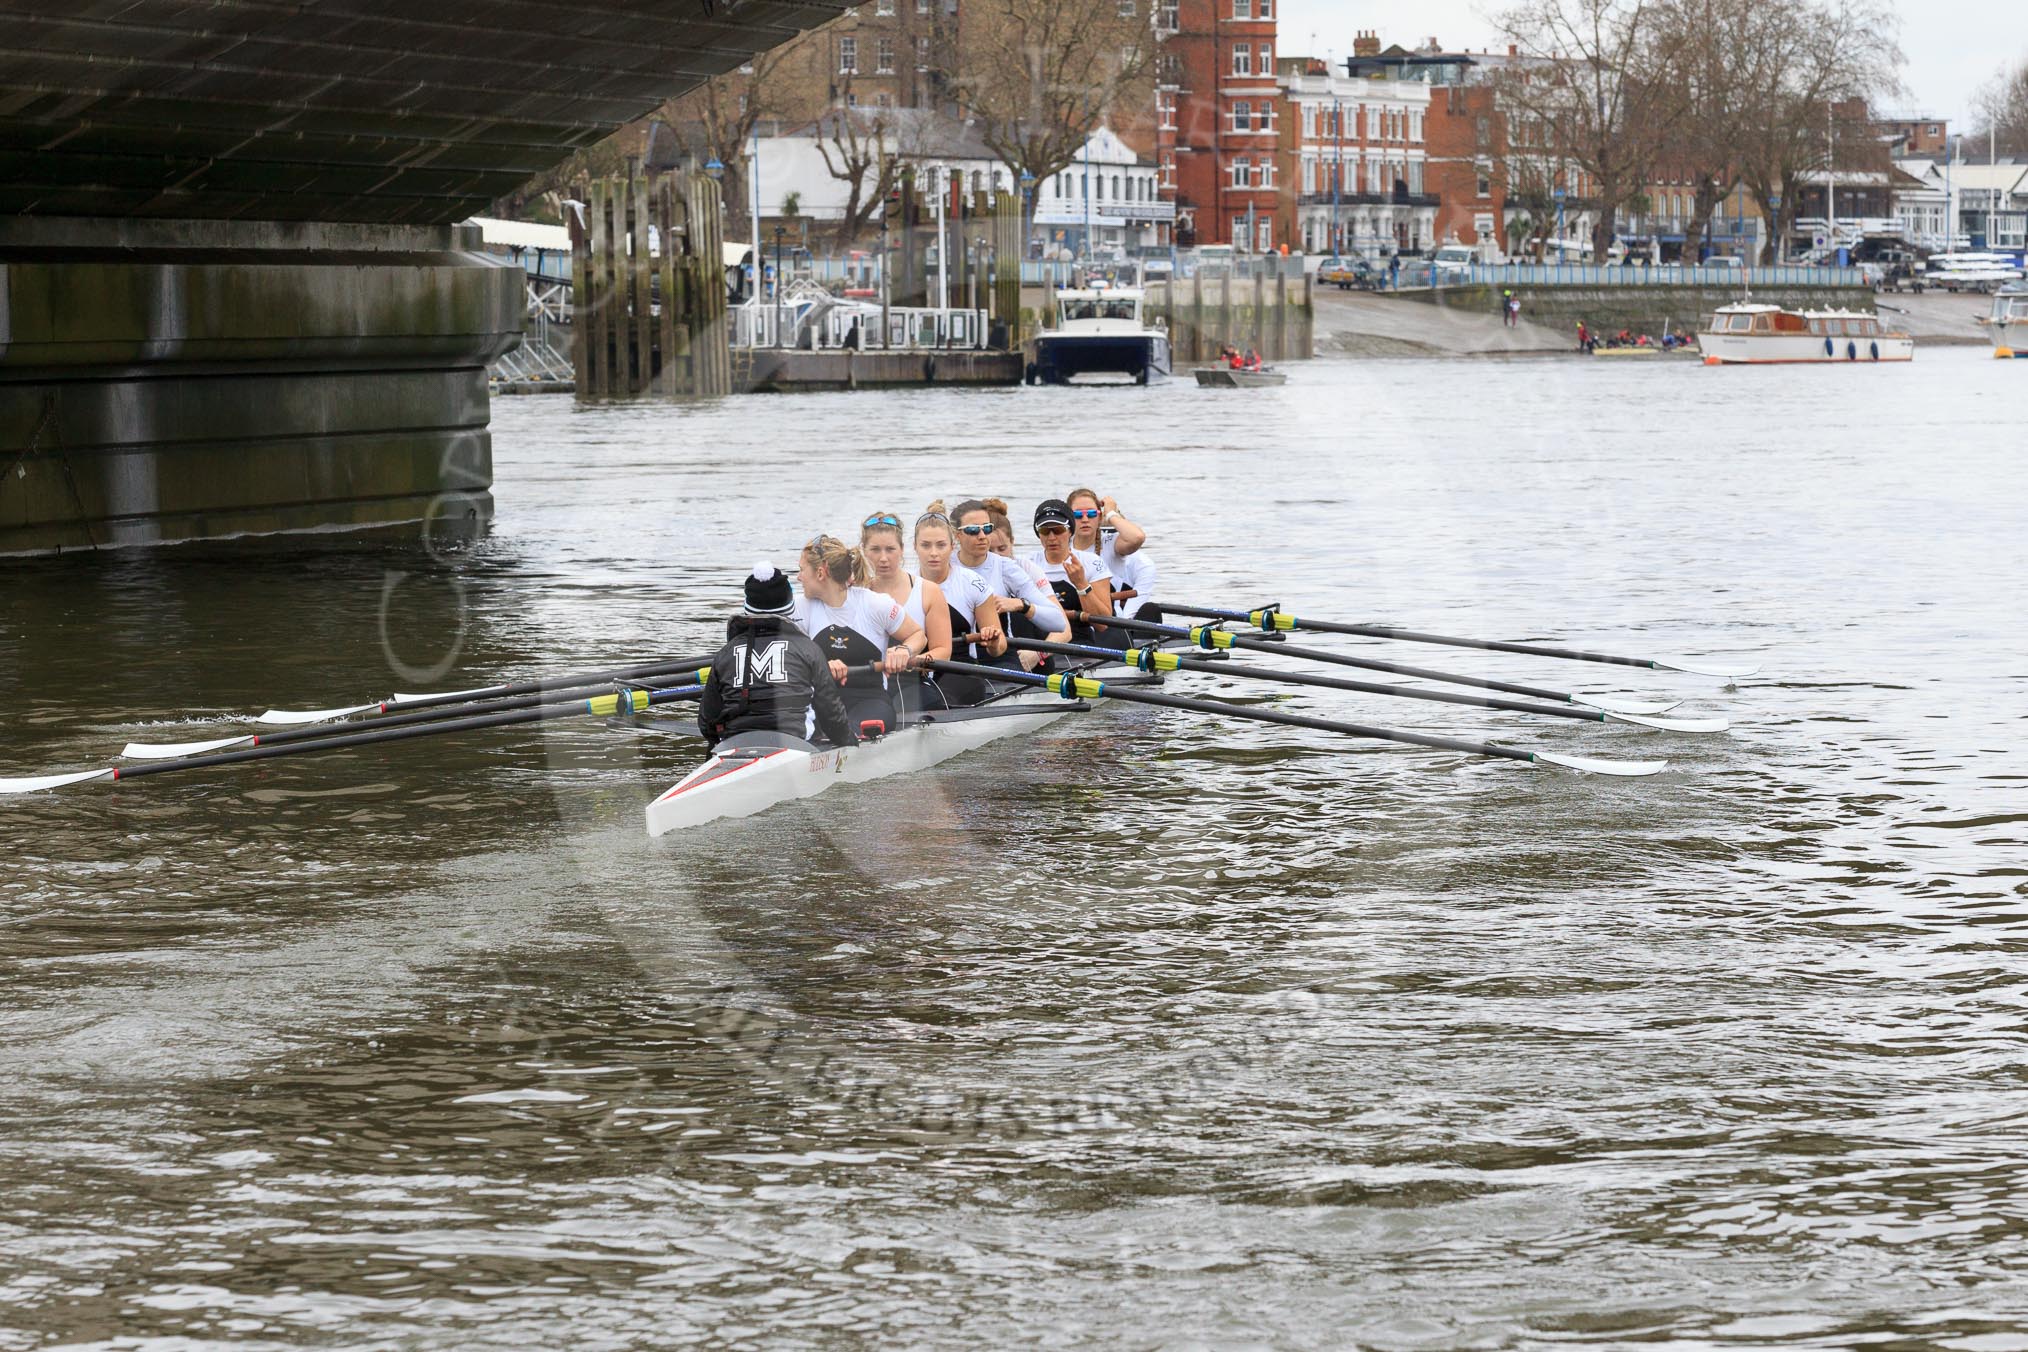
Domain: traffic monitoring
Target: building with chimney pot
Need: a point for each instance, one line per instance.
(1354, 157)
(1218, 123)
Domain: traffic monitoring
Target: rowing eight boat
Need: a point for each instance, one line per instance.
(750, 773)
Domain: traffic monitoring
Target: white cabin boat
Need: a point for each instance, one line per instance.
(1099, 333)
(1753, 335)
(2008, 323)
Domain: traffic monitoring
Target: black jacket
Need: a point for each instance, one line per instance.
(766, 679)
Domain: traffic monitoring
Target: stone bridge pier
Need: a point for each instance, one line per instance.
(234, 294)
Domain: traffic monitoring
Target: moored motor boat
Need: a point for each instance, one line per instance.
(1099, 333)
(1755, 335)
(1226, 377)
(2008, 322)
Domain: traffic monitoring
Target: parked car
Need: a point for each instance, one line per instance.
(1346, 273)
(1453, 260)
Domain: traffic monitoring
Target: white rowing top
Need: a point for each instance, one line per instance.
(1008, 578)
(965, 591)
(1095, 569)
(870, 615)
(1134, 570)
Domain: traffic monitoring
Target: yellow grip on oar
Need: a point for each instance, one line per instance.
(1210, 638)
(1150, 659)
(1075, 687)
(605, 706)
(1271, 620)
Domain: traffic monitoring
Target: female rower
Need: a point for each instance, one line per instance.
(866, 637)
(1003, 538)
(1077, 577)
(1098, 526)
(971, 608)
(1027, 606)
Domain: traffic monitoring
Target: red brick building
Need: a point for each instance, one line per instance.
(1217, 116)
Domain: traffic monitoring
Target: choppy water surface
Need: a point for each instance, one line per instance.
(1146, 1032)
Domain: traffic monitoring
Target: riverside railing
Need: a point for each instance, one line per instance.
(1668, 274)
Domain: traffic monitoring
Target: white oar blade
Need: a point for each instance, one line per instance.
(1613, 704)
(171, 750)
(1593, 766)
(1704, 668)
(291, 717)
(1670, 724)
(440, 694)
(36, 784)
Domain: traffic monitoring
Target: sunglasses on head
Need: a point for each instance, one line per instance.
(1084, 513)
(986, 529)
(881, 520)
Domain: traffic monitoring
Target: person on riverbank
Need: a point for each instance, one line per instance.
(1079, 578)
(1513, 310)
(866, 637)
(769, 678)
(1098, 526)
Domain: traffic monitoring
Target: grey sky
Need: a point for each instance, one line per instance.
(1953, 46)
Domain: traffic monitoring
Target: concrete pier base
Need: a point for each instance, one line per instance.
(780, 370)
(175, 380)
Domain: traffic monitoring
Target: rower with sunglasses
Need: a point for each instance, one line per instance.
(1078, 577)
(1028, 608)
(972, 609)
(1098, 526)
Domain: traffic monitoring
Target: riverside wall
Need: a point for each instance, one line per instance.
(1642, 309)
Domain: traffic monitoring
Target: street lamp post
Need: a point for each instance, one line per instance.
(778, 284)
(1560, 236)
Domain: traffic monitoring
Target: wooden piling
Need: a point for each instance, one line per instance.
(639, 287)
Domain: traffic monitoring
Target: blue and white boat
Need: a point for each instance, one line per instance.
(1099, 333)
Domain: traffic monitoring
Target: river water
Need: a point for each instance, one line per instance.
(1149, 1031)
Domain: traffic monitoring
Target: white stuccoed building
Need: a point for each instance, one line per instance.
(1107, 197)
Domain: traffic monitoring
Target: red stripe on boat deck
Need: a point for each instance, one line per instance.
(724, 774)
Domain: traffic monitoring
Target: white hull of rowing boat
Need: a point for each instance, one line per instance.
(759, 780)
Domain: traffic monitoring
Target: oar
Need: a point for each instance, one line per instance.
(1272, 620)
(1153, 659)
(1218, 638)
(601, 706)
(1073, 686)
(567, 695)
(290, 717)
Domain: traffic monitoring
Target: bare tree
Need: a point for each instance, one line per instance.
(1041, 75)
(1589, 74)
(1821, 53)
(717, 120)
(2002, 109)
(859, 148)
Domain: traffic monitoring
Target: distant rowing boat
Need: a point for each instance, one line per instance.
(1224, 377)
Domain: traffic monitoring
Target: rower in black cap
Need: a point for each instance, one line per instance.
(770, 678)
(1079, 577)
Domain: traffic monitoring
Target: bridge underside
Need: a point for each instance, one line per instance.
(230, 297)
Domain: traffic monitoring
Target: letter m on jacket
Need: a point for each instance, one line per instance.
(770, 664)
